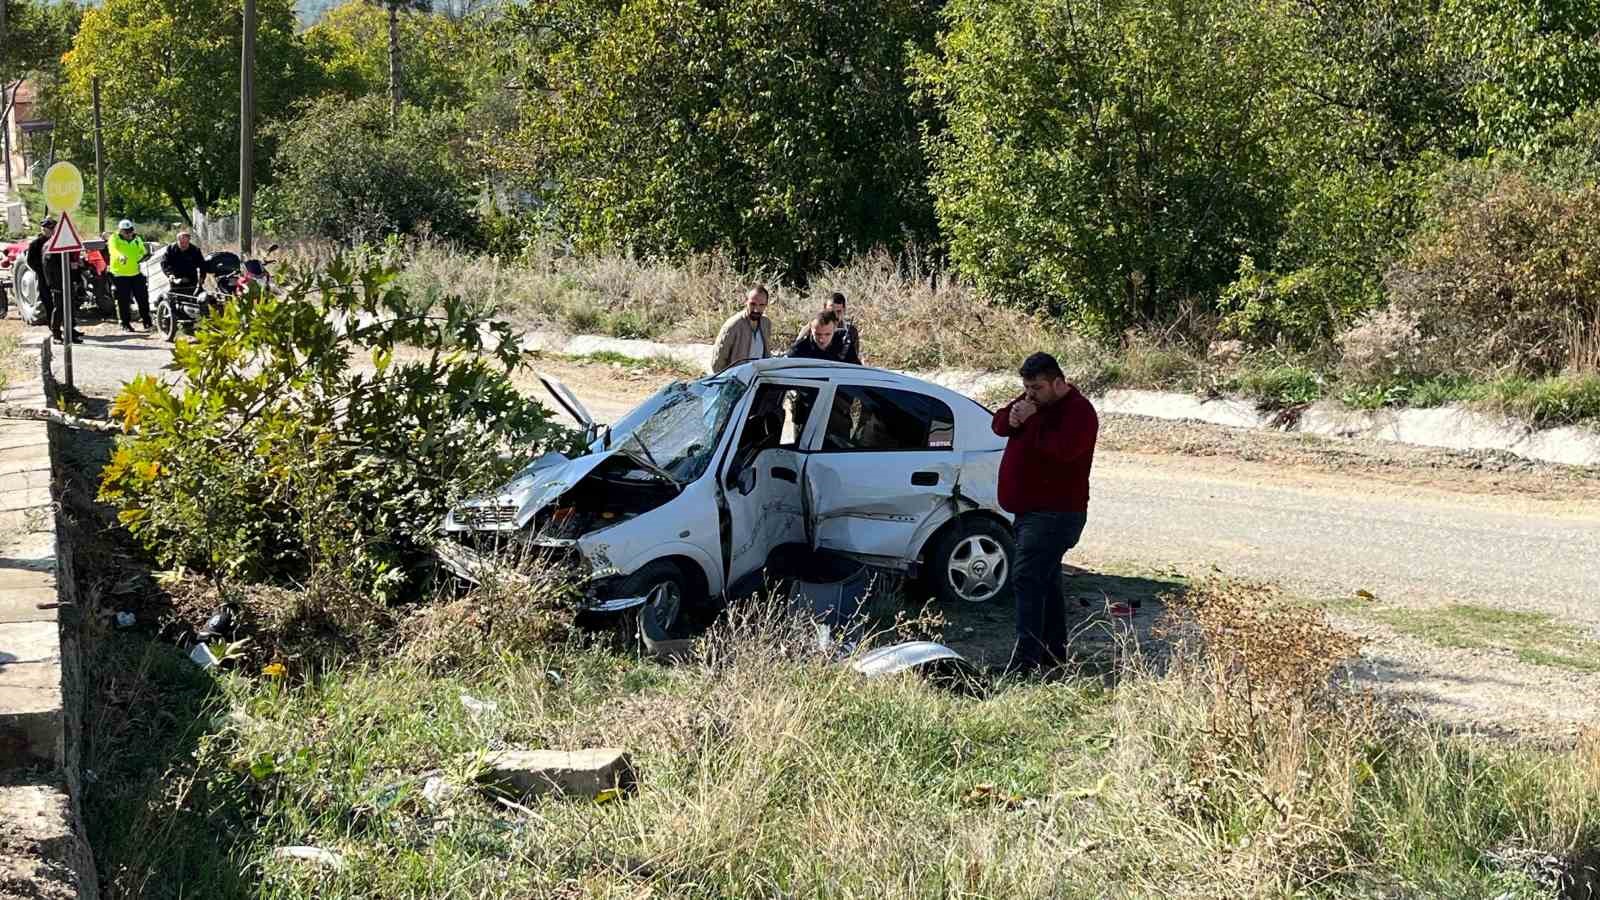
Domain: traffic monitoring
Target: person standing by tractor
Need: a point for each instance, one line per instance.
(49, 303)
(1044, 481)
(127, 251)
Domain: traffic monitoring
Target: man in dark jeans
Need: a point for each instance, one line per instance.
(1044, 482)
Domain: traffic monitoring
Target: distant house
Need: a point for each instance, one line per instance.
(22, 121)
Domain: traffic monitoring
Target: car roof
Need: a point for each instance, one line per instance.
(972, 417)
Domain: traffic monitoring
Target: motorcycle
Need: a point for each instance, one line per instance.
(232, 276)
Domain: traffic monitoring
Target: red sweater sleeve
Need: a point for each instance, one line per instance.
(1002, 421)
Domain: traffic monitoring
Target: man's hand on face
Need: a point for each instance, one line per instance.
(1021, 411)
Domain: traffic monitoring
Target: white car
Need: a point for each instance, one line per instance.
(685, 498)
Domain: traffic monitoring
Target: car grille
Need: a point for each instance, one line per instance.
(487, 515)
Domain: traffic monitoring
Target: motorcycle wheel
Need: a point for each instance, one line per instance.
(166, 319)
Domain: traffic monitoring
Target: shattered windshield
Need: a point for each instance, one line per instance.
(678, 428)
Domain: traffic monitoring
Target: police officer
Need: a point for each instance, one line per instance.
(127, 251)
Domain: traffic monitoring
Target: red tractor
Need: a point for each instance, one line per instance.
(90, 281)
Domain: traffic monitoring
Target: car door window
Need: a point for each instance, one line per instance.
(778, 417)
(865, 419)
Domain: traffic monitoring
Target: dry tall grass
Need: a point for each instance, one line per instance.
(1243, 769)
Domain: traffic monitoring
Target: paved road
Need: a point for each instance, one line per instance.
(1326, 535)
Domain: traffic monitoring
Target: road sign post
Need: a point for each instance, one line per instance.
(63, 188)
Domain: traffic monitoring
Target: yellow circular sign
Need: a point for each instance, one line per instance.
(63, 187)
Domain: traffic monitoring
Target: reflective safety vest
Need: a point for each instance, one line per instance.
(126, 255)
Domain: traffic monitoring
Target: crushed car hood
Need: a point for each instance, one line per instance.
(532, 489)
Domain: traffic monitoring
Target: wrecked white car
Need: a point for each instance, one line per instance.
(686, 498)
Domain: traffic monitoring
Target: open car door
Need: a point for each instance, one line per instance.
(762, 474)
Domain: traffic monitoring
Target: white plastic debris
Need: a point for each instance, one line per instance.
(203, 657)
(315, 855)
(478, 708)
(125, 619)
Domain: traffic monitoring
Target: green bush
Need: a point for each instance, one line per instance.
(1505, 273)
(326, 427)
(347, 175)
(1105, 162)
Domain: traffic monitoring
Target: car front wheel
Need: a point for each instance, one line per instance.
(973, 562)
(664, 590)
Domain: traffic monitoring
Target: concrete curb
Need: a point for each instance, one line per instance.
(1450, 427)
(41, 832)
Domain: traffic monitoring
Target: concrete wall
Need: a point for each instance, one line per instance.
(42, 850)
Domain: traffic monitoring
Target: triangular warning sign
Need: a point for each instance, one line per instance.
(65, 238)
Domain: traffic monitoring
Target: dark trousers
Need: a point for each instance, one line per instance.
(50, 308)
(132, 287)
(1042, 539)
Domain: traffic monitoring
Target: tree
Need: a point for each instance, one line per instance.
(1106, 160)
(169, 73)
(351, 45)
(346, 175)
(34, 34)
(783, 130)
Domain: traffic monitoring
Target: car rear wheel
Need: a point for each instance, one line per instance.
(973, 562)
(665, 590)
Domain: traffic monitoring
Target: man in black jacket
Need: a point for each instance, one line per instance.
(42, 264)
(184, 264)
(819, 340)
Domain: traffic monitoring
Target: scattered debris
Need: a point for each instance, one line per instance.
(315, 855)
(125, 619)
(554, 677)
(925, 656)
(203, 657)
(221, 625)
(563, 773)
(478, 708)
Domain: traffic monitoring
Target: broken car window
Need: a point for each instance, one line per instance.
(877, 419)
(680, 426)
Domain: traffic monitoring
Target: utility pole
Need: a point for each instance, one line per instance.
(99, 165)
(247, 129)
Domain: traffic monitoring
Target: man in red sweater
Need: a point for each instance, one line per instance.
(1044, 483)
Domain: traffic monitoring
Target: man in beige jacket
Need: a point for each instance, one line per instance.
(746, 335)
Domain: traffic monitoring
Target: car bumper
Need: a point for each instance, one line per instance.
(478, 567)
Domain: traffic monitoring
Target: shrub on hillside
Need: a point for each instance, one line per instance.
(279, 455)
(347, 175)
(1384, 344)
(1505, 275)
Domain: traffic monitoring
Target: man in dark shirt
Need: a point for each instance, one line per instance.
(850, 351)
(38, 261)
(819, 340)
(183, 263)
(1044, 483)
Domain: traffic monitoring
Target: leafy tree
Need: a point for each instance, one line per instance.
(169, 84)
(278, 456)
(34, 34)
(782, 129)
(1106, 161)
(350, 44)
(344, 174)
